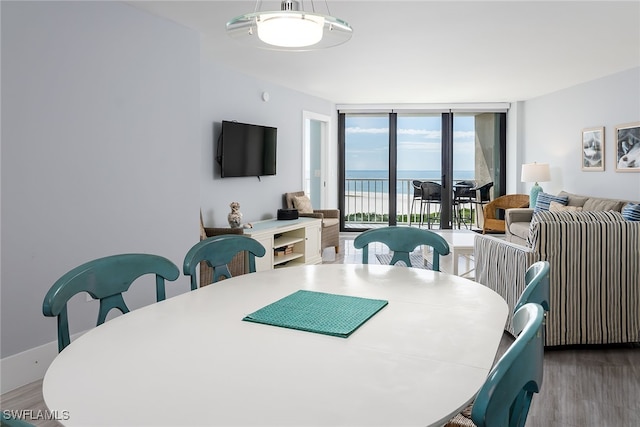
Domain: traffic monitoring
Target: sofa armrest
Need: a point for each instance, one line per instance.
(518, 215)
(516, 224)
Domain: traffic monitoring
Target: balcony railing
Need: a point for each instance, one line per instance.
(367, 201)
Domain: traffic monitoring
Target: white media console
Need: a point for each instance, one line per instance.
(288, 242)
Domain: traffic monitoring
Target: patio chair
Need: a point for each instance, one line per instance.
(431, 193)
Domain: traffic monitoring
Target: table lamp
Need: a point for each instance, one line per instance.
(535, 172)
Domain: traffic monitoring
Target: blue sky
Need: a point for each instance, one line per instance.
(367, 141)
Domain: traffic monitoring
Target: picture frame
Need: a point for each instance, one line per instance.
(628, 147)
(593, 149)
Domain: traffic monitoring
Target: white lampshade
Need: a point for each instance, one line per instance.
(535, 172)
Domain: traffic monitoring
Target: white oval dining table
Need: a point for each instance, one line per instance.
(191, 361)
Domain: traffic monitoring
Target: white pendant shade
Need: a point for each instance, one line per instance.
(289, 29)
(286, 29)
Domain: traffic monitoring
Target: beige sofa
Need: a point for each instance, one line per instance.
(517, 220)
(594, 259)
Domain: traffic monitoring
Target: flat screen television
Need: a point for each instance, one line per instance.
(246, 150)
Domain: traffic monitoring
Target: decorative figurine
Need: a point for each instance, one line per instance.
(235, 217)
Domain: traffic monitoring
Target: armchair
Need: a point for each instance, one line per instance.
(509, 201)
(330, 220)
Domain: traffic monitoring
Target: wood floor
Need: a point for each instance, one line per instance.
(582, 387)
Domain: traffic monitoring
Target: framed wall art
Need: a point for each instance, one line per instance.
(628, 147)
(593, 149)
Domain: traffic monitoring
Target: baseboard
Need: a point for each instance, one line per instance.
(29, 366)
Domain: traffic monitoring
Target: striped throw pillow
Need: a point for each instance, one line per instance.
(631, 212)
(544, 201)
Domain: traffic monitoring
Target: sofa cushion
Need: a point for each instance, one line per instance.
(545, 199)
(595, 204)
(631, 212)
(574, 199)
(328, 222)
(559, 207)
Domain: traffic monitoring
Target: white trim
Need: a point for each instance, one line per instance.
(325, 135)
(26, 367)
(23, 368)
(496, 107)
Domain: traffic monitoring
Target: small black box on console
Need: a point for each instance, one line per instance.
(284, 214)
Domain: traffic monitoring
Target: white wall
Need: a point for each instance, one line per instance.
(100, 152)
(228, 95)
(107, 147)
(552, 133)
(514, 147)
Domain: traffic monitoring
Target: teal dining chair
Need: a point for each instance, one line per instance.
(537, 286)
(8, 421)
(505, 397)
(217, 252)
(402, 241)
(105, 279)
(536, 291)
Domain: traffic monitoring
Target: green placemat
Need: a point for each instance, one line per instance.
(319, 312)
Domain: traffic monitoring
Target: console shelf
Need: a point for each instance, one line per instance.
(300, 236)
(281, 242)
(278, 261)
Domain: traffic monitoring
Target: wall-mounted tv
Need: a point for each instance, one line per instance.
(246, 150)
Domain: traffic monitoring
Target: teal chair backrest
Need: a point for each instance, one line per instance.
(217, 252)
(105, 279)
(9, 421)
(402, 241)
(505, 397)
(537, 286)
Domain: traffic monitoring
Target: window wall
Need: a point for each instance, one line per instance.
(384, 154)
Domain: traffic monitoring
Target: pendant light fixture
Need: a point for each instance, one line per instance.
(290, 28)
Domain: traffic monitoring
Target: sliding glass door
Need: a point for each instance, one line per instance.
(389, 160)
(419, 157)
(365, 194)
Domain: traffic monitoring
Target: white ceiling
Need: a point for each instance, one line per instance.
(433, 51)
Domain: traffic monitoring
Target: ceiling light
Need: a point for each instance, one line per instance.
(289, 29)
